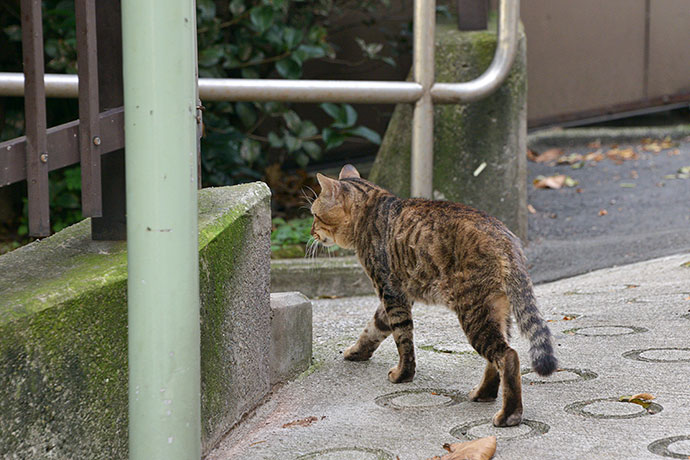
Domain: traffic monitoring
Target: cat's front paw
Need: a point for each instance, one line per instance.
(501, 419)
(355, 353)
(400, 375)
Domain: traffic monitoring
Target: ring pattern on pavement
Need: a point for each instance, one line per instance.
(337, 453)
(606, 331)
(563, 375)
(660, 355)
(482, 428)
(663, 447)
(611, 408)
(420, 398)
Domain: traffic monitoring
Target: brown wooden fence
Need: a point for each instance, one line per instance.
(96, 140)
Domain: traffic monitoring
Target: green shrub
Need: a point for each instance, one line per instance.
(266, 39)
(236, 39)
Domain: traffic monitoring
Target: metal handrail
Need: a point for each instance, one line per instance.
(422, 91)
(234, 89)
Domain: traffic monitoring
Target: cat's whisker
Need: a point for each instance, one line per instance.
(311, 200)
(308, 198)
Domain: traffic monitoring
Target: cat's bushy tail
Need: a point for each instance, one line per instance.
(531, 323)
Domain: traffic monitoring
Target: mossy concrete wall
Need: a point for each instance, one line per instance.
(63, 332)
(492, 131)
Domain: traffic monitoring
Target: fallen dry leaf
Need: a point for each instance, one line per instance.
(479, 449)
(685, 264)
(531, 154)
(568, 318)
(554, 182)
(548, 156)
(531, 209)
(303, 422)
(570, 159)
(641, 399)
(620, 155)
(594, 156)
(603, 212)
(595, 144)
(656, 146)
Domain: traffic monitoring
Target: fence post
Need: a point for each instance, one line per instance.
(163, 281)
(35, 119)
(112, 225)
(89, 133)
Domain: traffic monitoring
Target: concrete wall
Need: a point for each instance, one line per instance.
(490, 132)
(63, 332)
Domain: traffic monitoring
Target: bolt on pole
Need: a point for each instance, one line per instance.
(163, 282)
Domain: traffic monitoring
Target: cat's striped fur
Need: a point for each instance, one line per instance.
(437, 252)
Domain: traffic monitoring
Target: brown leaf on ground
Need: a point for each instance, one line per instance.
(553, 182)
(603, 212)
(531, 209)
(594, 156)
(620, 155)
(641, 399)
(570, 159)
(531, 154)
(656, 146)
(479, 449)
(548, 156)
(595, 144)
(303, 422)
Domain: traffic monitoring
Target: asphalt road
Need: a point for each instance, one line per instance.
(619, 212)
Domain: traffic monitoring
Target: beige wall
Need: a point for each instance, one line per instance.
(669, 47)
(588, 57)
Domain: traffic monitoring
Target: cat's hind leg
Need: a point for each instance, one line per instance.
(369, 340)
(486, 328)
(487, 390)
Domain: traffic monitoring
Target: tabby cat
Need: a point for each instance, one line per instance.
(443, 253)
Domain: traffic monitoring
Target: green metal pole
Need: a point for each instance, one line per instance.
(159, 58)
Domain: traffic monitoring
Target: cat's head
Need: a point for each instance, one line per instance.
(332, 209)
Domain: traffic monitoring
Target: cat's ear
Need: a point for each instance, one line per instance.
(329, 187)
(348, 171)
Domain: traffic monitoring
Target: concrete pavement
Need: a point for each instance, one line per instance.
(619, 331)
